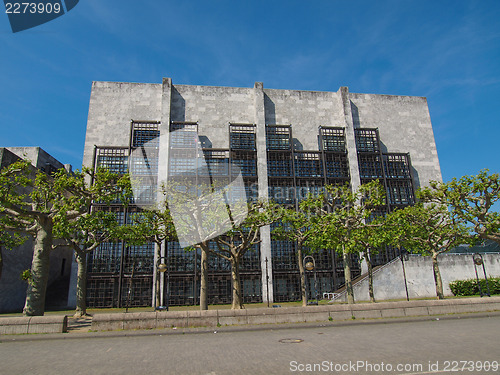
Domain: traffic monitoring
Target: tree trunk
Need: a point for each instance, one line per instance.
(236, 284)
(437, 277)
(347, 277)
(204, 276)
(370, 276)
(37, 287)
(81, 285)
(302, 273)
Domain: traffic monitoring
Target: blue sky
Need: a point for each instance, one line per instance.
(447, 51)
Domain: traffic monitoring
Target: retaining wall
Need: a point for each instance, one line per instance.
(34, 324)
(215, 318)
(388, 281)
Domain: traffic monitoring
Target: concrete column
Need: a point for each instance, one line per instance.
(352, 153)
(163, 154)
(265, 232)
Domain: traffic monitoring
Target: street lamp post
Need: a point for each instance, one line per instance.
(478, 261)
(310, 265)
(161, 268)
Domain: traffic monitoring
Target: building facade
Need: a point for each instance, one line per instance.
(285, 143)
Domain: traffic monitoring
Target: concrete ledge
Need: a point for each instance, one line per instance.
(14, 326)
(34, 324)
(217, 318)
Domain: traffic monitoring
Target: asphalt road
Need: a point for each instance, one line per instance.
(420, 347)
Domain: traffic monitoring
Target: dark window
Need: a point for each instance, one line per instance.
(113, 159)
(397, 166)
(336, 165)
(367, 140)
(400, 192)
(279, 164)
(242, 137)
(308, 164)
(145, 134)
(278, 138)
(370, 166)
(332, 139)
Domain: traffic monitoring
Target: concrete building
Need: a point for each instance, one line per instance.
(285, 142)
(17, 260)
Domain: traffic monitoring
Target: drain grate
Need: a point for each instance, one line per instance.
(290, 341)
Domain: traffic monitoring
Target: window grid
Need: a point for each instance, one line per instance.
(278, 138)
(246, 162)
(145, 134)
(397, 165)
(114, 160)
(400, 192)
(282, 191)
(337, 165)
(308, 164)
(367, 140)
(217, 162)
(370, 166)
(242, 137)
(333, 139)
(184, 135)
(279, 164)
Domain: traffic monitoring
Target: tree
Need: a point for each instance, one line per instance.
(343, 219)
(471, 199)
(370, 237)
(151, 225)
(31, 200)
(296, 225)
(202, 210)
(234, 244)
(429, 230)
(84, 234)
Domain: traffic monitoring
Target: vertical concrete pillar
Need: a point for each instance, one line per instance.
(163, 154)
(352, 153)
(265, 232)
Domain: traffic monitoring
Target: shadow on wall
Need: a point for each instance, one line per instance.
(205, 141)
(178, 106)
(270, 110)
(355, 116)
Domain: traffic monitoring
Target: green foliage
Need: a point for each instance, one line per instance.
(27, 276)
(425, 229)
(345, 217)
(470, 287)
(470, 199)
(152, 225)
(233, 244)
(11, 240)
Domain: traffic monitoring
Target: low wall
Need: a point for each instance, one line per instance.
(216, 318)
(388, 281)
(34, 324)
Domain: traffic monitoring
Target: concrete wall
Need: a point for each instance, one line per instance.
(404, 126)
(305, 111)
(15, 261)
(112, 106)
(213, 108)
(388, 281)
